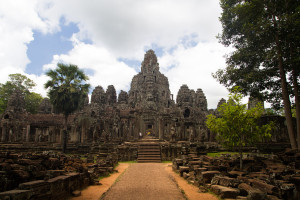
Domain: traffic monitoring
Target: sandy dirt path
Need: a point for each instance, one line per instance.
(191, 191)
(94, 192)
(147, 181)
(144, 181)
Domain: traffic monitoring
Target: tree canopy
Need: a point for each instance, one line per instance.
(265, 63)
(238, 126)
(25, 85)
(67, 91)
(67, 88)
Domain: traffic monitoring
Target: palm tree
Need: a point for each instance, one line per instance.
(67, 91)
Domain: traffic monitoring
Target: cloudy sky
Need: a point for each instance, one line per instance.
(108, 40)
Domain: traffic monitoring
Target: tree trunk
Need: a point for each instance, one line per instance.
(285, 95)
(65, 133)
(296, 92)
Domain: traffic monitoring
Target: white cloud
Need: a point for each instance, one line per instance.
(126, 27)
(106, 69)
(120, 29)
(18, 18)
(194, 66)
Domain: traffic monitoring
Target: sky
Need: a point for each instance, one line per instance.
(108, 40)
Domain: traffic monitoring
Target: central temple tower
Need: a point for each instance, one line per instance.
(149, 89)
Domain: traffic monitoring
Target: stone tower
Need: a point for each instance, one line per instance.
(98, 96)
(149, 89)
(200, 100)
(111, 95)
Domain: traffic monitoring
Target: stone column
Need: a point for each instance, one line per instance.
(47, 134)
(61, 135)
(83, 134)
(24, 134)
(37, 133)
(28, 133)
(160, 129)
(3, 134)
(10, 135)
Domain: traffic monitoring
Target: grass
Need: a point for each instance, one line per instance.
(166, 161)
(218, 154)
(105, 176)
(131, 161)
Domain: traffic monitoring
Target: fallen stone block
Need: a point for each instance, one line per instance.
(234, 174)
(76, 193)
(183, 169)
(207, 176)
(224, 181)
(252, 193)
(225, 192)
(15, 195)
(270, 189)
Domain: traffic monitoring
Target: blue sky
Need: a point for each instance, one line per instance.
(44, 46)
(108, 39)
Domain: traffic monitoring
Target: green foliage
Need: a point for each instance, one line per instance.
(257, 29)
(218, 154)
(67, 88)
(24, 84)
(238, 126)
(32, 101)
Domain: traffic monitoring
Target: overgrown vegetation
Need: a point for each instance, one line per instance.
(236, 126)
(265, 61)
(23, 84)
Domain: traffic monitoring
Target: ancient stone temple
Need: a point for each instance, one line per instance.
(147, 109)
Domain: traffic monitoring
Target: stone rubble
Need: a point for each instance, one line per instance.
(49, 176)
(262, 177)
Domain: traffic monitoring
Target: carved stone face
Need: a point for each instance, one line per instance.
(149, 97)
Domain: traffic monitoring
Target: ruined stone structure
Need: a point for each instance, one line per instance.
(148, 108)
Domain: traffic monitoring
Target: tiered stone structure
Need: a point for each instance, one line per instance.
(148, 108)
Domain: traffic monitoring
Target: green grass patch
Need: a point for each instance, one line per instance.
(105, 176)
(131, 161)
(166, 161)
(218, 154)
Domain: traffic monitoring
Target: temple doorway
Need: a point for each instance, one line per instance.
(149, 130)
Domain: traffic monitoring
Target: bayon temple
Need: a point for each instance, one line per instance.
(147, 109)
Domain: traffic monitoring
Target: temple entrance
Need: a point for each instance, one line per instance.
(149, 130)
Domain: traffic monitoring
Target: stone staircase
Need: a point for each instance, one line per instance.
(149, 151)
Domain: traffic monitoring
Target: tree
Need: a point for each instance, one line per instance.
(237, 126)
(67, 91)
(265, 35)
(32, 102)
(22, 83)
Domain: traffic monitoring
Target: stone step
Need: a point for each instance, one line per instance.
(149, 152)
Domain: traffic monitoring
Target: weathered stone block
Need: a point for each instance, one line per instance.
(15, 195)
(270, 189)
(183, 169)
(225, 192)
(234, 174)
(206, 176)
(252, 193)
(224, 181)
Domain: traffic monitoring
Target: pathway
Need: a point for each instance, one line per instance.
(145, 181)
